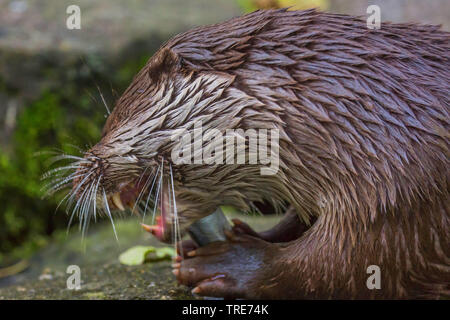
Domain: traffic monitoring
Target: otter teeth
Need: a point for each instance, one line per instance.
(117, 201)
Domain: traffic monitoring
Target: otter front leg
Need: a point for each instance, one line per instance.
(241, 267)
(290, 227)
(251, 268)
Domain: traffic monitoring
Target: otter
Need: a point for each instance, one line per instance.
(363, 117)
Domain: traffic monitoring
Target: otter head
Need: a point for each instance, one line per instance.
(148, 156)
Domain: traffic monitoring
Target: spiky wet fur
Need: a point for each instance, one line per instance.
(364, 140)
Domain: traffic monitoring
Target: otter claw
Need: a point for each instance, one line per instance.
(150, 229)
(191, 253)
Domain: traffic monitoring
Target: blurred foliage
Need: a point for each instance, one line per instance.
(68, 114)
(252, 5)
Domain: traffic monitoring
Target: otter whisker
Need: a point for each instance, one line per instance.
(144, 188)
(145, 184)
(151, 190)
(55, 151)
(142, 174)
(59, 151)
(55, 159)
(57, 171)
(103, 99)
(83, 214)
(73, 196)
(78, 203)
(62, 200)
(90, 201)
(74, 192)
(161, 197)
(85, 210)
(69, 201)
(58, 156)
(95, 198)
(81, 151)
(175, 212)
(55, 189)
(254, 209)
(169, 193)
(61, 176)
(82, 202)
(55, 186)
(105, 200)
(139, 209)
(157, 193)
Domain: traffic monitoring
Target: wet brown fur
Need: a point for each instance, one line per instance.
(364, 141)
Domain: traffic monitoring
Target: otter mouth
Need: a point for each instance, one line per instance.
(163, 222)
(124, 198)
(135, 197)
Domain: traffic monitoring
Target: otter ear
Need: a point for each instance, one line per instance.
(163, 62)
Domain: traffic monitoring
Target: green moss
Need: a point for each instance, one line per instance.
(20, 187)
(247, 5)
(95, 295)
(69, 113)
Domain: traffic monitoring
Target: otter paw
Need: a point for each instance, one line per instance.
(231, 269)
(241, 227)
(185, 246)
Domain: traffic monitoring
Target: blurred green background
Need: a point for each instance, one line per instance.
(51, 79)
